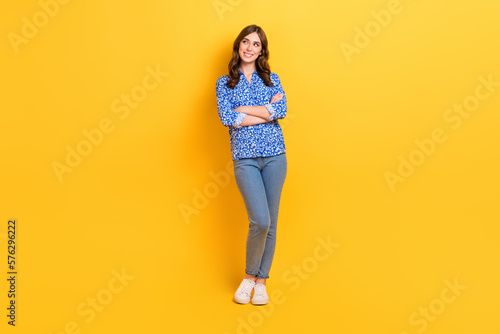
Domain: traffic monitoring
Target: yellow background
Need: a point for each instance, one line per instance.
(348, 122)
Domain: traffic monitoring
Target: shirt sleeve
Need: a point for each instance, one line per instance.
(228, 116)
(277, 109)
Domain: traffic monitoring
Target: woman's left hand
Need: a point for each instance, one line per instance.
(277, 98)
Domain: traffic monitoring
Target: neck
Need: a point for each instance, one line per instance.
(247, 68)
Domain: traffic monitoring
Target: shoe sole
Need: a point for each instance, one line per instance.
(241, 302)
(260, 303)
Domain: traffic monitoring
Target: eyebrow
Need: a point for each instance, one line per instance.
(250, 41)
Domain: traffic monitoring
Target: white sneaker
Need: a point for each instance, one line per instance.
(242, 295)
(260, 295)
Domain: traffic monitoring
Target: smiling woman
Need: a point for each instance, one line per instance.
(250, 101)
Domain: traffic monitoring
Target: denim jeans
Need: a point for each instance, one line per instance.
(260, 181)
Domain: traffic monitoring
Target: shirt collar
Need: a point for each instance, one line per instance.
(244, 74)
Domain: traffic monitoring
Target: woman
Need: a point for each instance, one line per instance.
(250, 100)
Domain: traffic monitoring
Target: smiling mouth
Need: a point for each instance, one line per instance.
(248, 54)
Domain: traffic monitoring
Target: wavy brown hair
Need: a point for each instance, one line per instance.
(261, 63)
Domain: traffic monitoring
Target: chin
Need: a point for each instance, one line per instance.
(246, 60)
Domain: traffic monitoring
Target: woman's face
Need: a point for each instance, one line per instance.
(250, 48)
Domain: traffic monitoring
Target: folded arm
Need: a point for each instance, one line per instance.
(228, 116)
(250, 115)
(253, 120)
(278, 108)
(275, 109)
(264, 112)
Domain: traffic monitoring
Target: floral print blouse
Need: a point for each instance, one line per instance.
(260, 140)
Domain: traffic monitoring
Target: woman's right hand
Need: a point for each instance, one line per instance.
(277, 98)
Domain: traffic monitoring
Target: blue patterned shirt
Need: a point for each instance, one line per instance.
(259, 140)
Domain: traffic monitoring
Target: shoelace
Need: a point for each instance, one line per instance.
(259, 290)
(247, 287)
